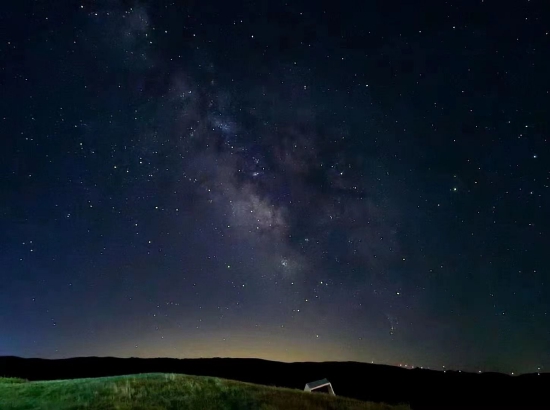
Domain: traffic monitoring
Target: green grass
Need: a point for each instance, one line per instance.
(11, 380)
(166, 392)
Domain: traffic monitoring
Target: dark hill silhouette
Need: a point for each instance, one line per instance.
(422, 389)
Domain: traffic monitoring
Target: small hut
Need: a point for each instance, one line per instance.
(320, 386)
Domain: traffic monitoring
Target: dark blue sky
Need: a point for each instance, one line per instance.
(291, 181)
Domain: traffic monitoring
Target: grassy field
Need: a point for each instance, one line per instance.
(165, 392)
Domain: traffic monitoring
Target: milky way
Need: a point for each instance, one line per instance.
(278, 177)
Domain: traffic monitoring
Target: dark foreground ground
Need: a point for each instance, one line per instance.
(422, 389)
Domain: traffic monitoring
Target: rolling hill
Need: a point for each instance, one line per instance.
(165, 392)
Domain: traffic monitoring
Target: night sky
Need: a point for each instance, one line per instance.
(295, 181)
